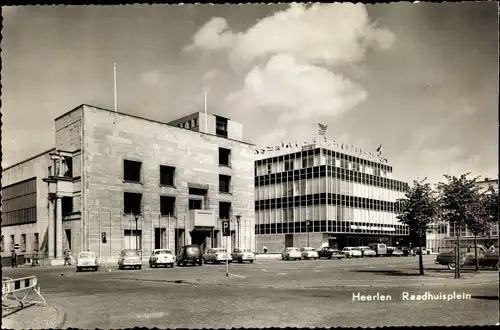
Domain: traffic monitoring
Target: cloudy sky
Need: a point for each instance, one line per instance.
(421, 79)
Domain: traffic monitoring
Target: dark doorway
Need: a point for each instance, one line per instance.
(333, 243)
(288, 240)
(179, 239)
(195, 204)
(68, 237)
(200, 238)
(160, 235)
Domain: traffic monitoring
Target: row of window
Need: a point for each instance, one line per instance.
(330, 227)
(190, 124)
(19, 189)
(322, 212)
(19, 217)
(333, 172)
(312, 158)
(132, 169)
(23, 244)
(133, 205)
(322, 185)
(465, 232)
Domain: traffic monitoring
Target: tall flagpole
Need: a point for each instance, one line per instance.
(114, 85)
(206, 117)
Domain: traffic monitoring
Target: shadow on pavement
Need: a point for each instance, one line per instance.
(485, 297)
(386, 272)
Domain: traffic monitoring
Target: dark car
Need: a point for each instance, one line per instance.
(190, 254)
(407, 251)
(330, 253)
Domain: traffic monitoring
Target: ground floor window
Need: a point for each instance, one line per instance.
(23, 242)
(132, 239)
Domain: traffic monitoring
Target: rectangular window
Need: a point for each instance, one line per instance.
(23, 242)
(224, 157)
(131, 171)
(132, 203)
(224, 210)
(19, 203)
(307, 161)
(2, 246)
(167, 174)
(195, 204)
(195, 122)
(224, 184)
(67, 205)
(167, 205)
(288, 165)
(68, 167)
(220, 126)
(36, 242)
(12, 242)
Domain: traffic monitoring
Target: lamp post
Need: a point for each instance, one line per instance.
(307, 229)
(238, 218)
(136, 216)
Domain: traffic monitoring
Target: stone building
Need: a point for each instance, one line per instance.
(117, 181)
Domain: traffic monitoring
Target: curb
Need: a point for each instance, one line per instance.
(61, 316)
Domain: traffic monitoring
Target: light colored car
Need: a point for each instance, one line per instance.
(309, 253)
(352, 252)
(130, 258)
(241, 255)
(397, 252)
(162, 257)
(291, 253)
(217, 255)
(367, 252)
(87, 259)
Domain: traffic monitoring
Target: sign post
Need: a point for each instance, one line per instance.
(226, 231)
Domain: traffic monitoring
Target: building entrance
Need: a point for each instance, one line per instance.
(201, 238)
(288, 240)
(160, 238)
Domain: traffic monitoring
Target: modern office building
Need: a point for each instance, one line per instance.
(117, 181)
(318, 196)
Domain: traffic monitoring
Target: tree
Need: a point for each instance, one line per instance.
(416, 210)
(491, 202)
(477, 221)
(457, 201)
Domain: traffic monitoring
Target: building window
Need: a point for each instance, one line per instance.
(2, 244)
(221, 126)
(67, 205)
(269, 168)
(195, 122)
(36, 242)
(132, 203)
(167, 205)
(167, 174)
(195, 204)
(131, 171)
(19, 203)
(23, 242)
(49, 169)
(67, 167)
(224, 210)
(12, 242)
(307, 161)
(224, 157)
(288, 165)
(224, 184)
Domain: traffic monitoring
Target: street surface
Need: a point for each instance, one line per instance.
(308, 293)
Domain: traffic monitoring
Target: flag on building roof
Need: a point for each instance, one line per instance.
(379, 149)
(322, 129)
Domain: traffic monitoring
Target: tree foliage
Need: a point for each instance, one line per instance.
(419, 206)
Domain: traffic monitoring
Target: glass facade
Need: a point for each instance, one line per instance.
(321, 190)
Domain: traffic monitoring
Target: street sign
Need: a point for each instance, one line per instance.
(226, 228)
(16, 246)
(103, 235)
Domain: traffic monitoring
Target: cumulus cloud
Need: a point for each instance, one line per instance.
(297, 89)
(321, 33)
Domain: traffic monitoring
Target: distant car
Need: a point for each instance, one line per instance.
(130, 258)
(397, 253)
(419, 250)
(366, 251)
(87, 259)
(217, 255)
(352, 252)
(379, 248)
(190, 254)
(330, 253)
(162, 257)
(309, 253)
(407, 251)
(291, 253)
(242, 255)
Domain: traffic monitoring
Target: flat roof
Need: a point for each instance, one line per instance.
(30, 158)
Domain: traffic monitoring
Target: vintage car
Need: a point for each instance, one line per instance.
(330, 253)
(367, 252)
(162, 257)
(487, 259)
(86, 260)
(217, 255)
(241, 255)
(190, 254)
(291, 253)
(397, 252)
(130, 258)
(352, 252)
(308, 253)
(447, 255)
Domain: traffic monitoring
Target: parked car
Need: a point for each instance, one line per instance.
(351, 252)
(309, 253)
(418, 250)
(161, 257)
(85, 260)
(330, 253)
(379, 248)
(407, 251)
(291, 253)
(130, 258)
(190, 254)
(397, 252)
(242, 255)
(217, 255)
(366, 251)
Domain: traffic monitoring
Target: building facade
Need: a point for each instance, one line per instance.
(117, 181)
(319, 196)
